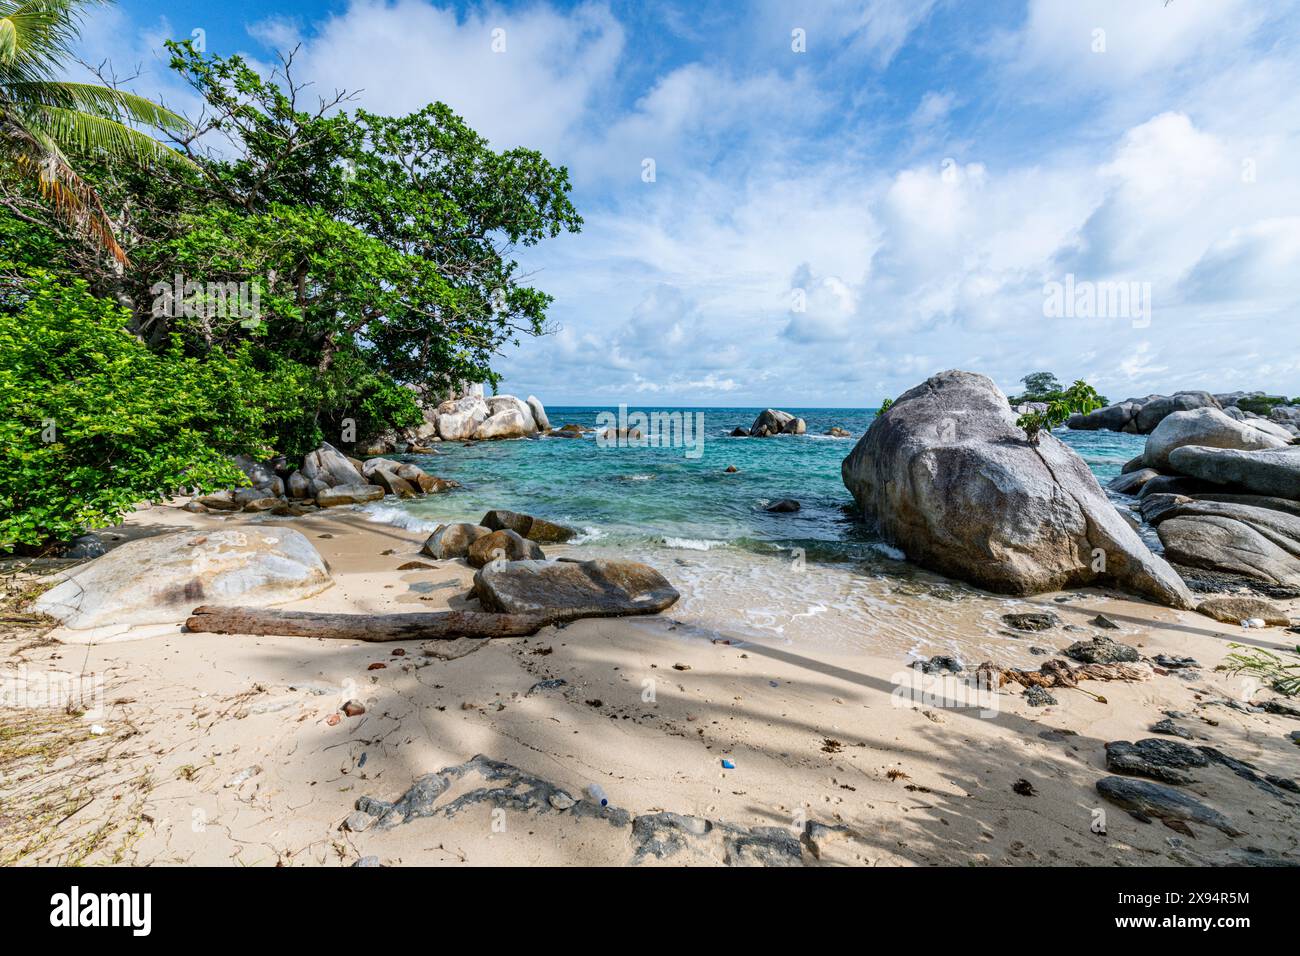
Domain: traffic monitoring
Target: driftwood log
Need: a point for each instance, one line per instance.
(378, 628)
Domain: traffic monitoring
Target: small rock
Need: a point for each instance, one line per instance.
(731, 469)
(1171, 729)
(1102, 621)
(784, 506)
(1174, 663)
(368, 861)
(377, 666)
(358, 821)
(1231, 610)
(1101, 650)
(938, 664)
(681, 667)
(1039, 696)
(561, 800)
(1031, 621)
(354, 708)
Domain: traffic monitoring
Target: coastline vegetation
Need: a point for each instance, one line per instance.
(269, 274)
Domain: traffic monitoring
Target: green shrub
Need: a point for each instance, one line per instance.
(1263, 404)
(92, 421)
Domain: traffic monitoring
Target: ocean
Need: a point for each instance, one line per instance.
(814, 575)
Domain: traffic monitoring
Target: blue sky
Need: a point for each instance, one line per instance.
(829, 226)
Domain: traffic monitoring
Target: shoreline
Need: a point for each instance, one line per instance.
(232, 734)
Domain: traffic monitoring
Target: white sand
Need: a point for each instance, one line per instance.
(813, 735)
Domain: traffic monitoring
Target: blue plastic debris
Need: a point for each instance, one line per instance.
(727, 764)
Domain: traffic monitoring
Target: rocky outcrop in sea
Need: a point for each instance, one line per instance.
(1141, 416)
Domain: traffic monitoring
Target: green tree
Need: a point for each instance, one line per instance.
(1079, 397)
(43, 117)
(92, 421)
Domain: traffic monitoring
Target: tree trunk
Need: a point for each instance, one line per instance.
(378, 628)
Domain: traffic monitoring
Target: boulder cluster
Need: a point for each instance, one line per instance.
(326, 478)
(469, 417)
(1223, 494)
(947, 477)
(1141, 416)
(773, 422)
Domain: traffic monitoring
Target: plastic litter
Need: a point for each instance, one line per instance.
(597, 794)
(727, 764)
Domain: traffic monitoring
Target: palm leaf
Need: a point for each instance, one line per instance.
(99, 100)
(83, 131)
(35, 154)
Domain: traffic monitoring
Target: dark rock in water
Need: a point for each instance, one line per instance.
(505, 545)
(526, 526)
(949, 479)
(1171, 729)
(1031, 621)
(574, 589)
(1101, 650)
(1039, 651)
(1144, 800)
(1132, 483)
(785, 505)
(1234, 610)
(731, 469)
(1133, 464)
(774, 422)
(1039, 696)
(938, 664)
(1175, 663)
(1158, 759)
(1102, 621)
(740, 433)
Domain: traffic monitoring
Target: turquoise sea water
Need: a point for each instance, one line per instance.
(817, 573)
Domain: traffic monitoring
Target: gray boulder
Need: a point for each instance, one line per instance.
(161, 579)
(1234, 610)
(1155, 411)
(453, 540)
(573, 589)
(329, 465)
(1285, 414)
(503, 545)
(356, 494)
(1217, 542)
(460, 418)
(948, 477)
(299, 486)
(1116, 418)
(1131, 483)
(1274, 472)
(539, 413)
(527, 526)
(1205, 427)
(772, 421)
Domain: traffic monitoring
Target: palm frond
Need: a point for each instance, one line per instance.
(42, 33)
(34, 153)
(83, 131)
(99, 100)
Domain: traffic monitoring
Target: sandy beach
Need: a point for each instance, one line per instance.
(232, 750)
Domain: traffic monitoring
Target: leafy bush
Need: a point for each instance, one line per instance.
(1262, 404)
(1079, 397)
(885, 405)
(92, 421)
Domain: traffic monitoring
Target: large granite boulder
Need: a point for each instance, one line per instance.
(539, 413)
(1159, 408)
(460, 418)
(357, 494)
(1259, 543)
(453, 540)
(772, 421)
(503, 545)
(1274, 472)
(329, 465)
(1285, 414)
(527, 526)
(948, 478)
(1130, 483)
(573, 589)
(1207, 427)
(1116, 418)
(160, 580)
(507, 423)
